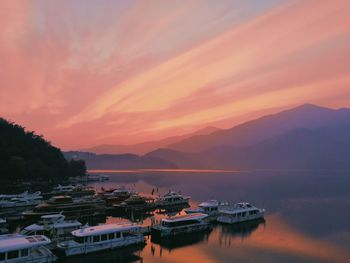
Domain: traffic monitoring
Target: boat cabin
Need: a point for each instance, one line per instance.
(106, 232)
(18, 248)
(183, 220)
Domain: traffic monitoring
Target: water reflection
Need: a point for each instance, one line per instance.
(307, 220)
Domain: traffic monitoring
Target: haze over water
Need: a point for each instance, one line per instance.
(306, 220)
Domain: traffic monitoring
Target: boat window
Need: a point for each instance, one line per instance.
(111, 236)
(238, 214)
(127, 234)
(12, 254)
(2, 256)
(86, 239)
(79, 240)
(234, 215)
(96, 239)
(24, 252)
(243, 214)
(103, 237)
(117, 235)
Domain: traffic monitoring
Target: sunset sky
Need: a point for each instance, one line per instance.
(84, 73)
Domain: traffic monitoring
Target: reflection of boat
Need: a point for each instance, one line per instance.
(118, 255)
(136, 203)
(54, 226)
(183, 224)
(242, 229)
(210, 208)
(172, 199)
(17, 248)
(69, 207)
(102, 237)
(240, 212)
(181, 241)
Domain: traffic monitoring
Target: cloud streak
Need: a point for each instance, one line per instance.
(124, 72)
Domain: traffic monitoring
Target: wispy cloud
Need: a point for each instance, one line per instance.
(84, 73)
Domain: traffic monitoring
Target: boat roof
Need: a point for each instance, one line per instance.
(37, 227)
(209, 203)
(52, 216)
(238, 208)
(16, 242)
(104, 229)
(193, 216)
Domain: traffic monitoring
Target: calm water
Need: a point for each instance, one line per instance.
(307, 220)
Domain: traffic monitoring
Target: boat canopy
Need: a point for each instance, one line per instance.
(194, 216)
(105, 229)
(16, 242)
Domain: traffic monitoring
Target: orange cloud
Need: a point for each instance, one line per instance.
(131, 71)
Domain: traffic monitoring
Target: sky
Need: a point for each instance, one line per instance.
(89, 72)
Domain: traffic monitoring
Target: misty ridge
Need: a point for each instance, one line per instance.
(305, 137)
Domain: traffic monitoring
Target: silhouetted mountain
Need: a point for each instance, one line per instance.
(306, 116)
(25, 155)
(119, 161)
(306, 137)
(142, 148)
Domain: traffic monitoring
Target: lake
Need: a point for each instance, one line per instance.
(307, 217)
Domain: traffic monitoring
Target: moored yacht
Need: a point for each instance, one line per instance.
(20, 200)
(71, 190)
(68, 206)
(102, 237)
(183, 224)
(239, 212)
(172, 199)
(210, 208)
(25, 194)
(136, 203)
(19, 248)
(54, 226)
(117, 195)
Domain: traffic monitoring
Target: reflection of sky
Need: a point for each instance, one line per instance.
(300, 225)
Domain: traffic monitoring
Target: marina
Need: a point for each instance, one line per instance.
(56, 219)
(218, 236)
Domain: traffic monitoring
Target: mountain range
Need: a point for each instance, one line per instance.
(305, 137)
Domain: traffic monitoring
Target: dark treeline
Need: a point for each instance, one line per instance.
(26, 155)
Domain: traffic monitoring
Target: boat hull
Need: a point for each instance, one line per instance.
(159, 231)
(229, 219)
(82, 249)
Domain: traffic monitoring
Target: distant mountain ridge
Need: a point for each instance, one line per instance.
(119, 161)
(306, 116)
(145, 147)
(306, 137)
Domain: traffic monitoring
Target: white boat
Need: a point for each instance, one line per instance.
(22, 201)
(18, 249)
(183, 224)
(102, 237)
(61, 189)
(239, 212)
(210, 208)
(54, 226)
(172, 198)
(21, 195)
